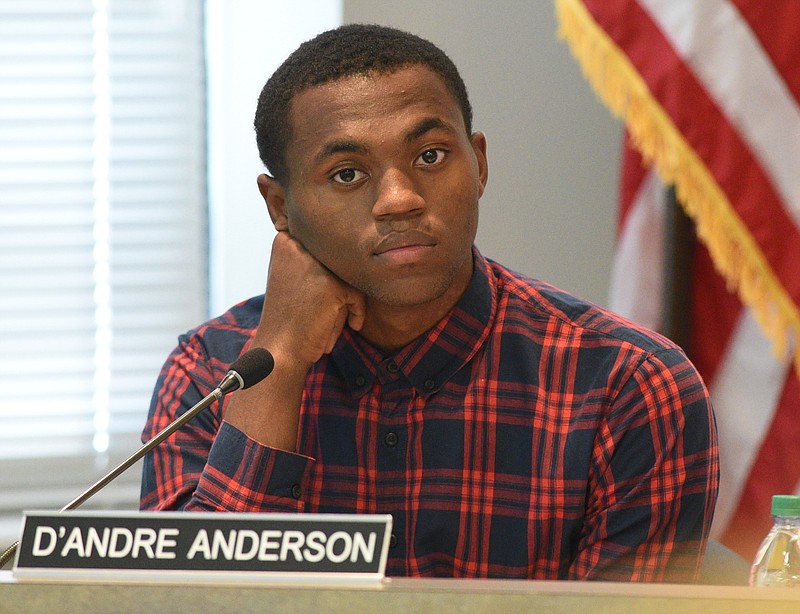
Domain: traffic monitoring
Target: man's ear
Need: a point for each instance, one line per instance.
(274, 195)
(478, 140)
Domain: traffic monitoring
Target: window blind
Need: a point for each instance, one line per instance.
(102, 233)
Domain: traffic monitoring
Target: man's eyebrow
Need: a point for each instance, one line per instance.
(426, 125)
(340, 146)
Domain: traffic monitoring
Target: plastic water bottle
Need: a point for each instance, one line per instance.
(777, 562)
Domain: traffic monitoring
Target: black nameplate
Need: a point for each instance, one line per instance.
(136, 543)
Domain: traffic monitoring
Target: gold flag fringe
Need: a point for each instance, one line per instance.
(734, 251)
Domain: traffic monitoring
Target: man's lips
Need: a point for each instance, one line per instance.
(403, 249)
(409, 240)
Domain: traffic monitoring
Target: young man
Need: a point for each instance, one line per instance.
(510, 429)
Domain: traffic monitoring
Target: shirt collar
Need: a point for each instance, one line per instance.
(433, 358)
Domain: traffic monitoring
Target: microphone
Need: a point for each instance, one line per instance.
(246, 371)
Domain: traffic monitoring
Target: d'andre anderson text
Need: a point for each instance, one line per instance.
(230, 545)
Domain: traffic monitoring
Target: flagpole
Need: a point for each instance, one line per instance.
(679, 246)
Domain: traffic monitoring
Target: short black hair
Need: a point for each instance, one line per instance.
(346, 51)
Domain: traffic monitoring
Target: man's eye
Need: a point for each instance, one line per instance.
(347, 175)
(432, 156)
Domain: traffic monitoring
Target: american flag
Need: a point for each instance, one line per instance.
(710, 94)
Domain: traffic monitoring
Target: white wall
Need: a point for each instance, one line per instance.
(550, 208)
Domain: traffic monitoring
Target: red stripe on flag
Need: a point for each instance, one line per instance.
(775, 471)
(780, 44)
(715, 312)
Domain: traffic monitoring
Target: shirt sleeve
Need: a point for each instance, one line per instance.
(654, 478)
(209, 465)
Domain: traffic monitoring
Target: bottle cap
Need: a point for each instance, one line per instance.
(785, 505)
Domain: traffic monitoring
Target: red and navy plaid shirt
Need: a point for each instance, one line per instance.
(528, 435)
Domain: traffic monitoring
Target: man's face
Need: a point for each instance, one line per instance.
(384, 185)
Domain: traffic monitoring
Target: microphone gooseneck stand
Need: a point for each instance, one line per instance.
(249, 369)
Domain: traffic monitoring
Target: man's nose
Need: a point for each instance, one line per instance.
(397, 195)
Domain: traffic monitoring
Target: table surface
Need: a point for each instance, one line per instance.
(441, 596)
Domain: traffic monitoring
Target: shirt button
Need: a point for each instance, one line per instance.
(390, 439)
(360, 380)
(393, 541)
(429, 384)
(297, 492)
(392, 367)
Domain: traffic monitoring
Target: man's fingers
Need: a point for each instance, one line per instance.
(356, 309)
(336, 330)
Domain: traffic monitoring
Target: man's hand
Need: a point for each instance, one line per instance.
(305, 309)
(306, 306)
